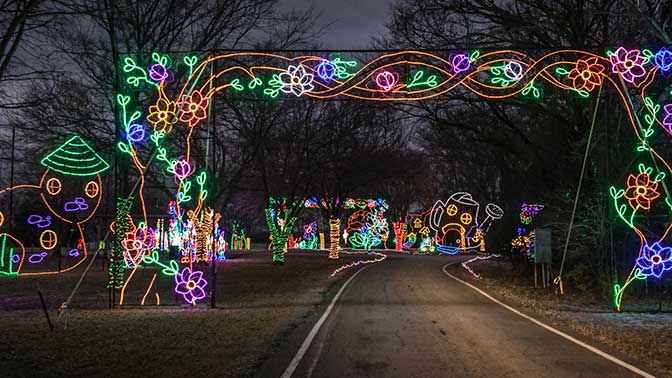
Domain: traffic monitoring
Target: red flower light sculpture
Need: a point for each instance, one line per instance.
(193, 108)
(641, 191)
(586, 75)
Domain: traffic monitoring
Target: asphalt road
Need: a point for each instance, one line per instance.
(406, 318)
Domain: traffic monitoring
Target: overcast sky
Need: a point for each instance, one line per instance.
(353, 22)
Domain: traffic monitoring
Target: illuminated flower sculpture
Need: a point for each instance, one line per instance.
(162, 115)
(586, 75)
(137, 244)
(513, 71)
(663, 59)
(190, 285)
(296, 80)
(136, 133)
(386, 80)
(158, 72)
(667, 121)
(182, 169)
(641, 191)
(193, 108)
(326, 70)
(655, 260)
(525, 217)
(629, 64)
(460, 63)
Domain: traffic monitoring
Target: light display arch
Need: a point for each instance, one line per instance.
(415, 76)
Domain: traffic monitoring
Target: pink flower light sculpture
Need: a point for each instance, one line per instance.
(386, 80)
(628, 64)
(137, 244)
(182, 169)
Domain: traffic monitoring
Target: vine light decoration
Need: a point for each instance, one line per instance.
(501, 74)
(193, 227)
(399, 231)
(280, 219)
(334, 237)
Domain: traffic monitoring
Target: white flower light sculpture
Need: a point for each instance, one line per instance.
(296, 80)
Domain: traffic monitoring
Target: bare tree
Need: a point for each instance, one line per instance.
(282, 136)
(95, 38)
(22, 24)
(357, 146)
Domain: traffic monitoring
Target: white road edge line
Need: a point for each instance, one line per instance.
(557, 332)
(313, 332)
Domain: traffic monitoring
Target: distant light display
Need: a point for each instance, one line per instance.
(450, 226)
(523, 243)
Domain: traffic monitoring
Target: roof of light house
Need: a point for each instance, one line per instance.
(75, 158)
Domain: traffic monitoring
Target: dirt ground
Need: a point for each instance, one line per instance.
(638, 331)
(258, 304)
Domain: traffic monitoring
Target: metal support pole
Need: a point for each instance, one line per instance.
(213, 259)
(558, 279)
(11, 183)
(535, 275)
(117, 123)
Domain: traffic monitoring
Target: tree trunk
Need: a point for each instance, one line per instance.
(334, 238)
(279, 237)
(398, 235)
(278, 247)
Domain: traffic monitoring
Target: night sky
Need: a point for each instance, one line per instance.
(353, 22)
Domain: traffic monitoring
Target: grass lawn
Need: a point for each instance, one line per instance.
(258, 304)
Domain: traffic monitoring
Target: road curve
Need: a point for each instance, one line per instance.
(406, 318)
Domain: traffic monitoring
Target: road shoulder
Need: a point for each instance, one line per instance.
(619, 334)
